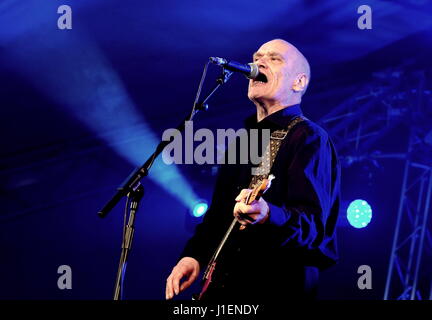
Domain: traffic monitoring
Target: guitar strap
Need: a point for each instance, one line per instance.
(276, 138)
(261, 172)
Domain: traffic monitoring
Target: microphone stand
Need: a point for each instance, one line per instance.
(133, 198)
(133, 189)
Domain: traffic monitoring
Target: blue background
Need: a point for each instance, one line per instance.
(80, 108)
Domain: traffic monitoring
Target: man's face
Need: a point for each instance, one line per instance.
(273, 60)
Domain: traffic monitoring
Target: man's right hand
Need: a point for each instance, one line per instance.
(186, 267)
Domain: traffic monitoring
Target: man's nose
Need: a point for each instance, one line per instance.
(261, 63)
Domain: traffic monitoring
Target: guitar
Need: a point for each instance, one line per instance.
(255, 194)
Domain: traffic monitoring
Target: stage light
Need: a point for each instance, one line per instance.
(199, 209)
(359, 213)
(87, 87)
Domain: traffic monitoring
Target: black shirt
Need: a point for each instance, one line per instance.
(281, 257)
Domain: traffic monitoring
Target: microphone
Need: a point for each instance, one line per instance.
(250, 70)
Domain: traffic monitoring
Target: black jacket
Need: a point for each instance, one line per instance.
(280, 258)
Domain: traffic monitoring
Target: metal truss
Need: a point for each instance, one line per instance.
(410, 233)
(356, 126)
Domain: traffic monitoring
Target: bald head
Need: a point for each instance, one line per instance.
(299, 64)
(296, 62)
(286, 72)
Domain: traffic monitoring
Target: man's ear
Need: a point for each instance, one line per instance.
(300, 83)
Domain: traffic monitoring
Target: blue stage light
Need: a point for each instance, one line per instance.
(199, 209)
(359, 213)
(87, 87)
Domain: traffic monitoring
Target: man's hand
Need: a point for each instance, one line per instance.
(186, 267)
(256, 212)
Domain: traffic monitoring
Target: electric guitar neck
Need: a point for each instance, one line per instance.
(255, 194)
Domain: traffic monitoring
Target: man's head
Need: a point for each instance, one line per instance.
(286, 74)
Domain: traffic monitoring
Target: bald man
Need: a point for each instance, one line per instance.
(289, 233)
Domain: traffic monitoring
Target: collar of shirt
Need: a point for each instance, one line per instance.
(275, 121)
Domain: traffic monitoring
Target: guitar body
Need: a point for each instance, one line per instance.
(255, 194)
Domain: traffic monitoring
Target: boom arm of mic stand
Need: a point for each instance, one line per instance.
(132, 182)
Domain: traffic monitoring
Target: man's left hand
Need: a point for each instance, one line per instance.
(256, 212)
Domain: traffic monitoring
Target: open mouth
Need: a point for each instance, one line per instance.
(261, 79)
